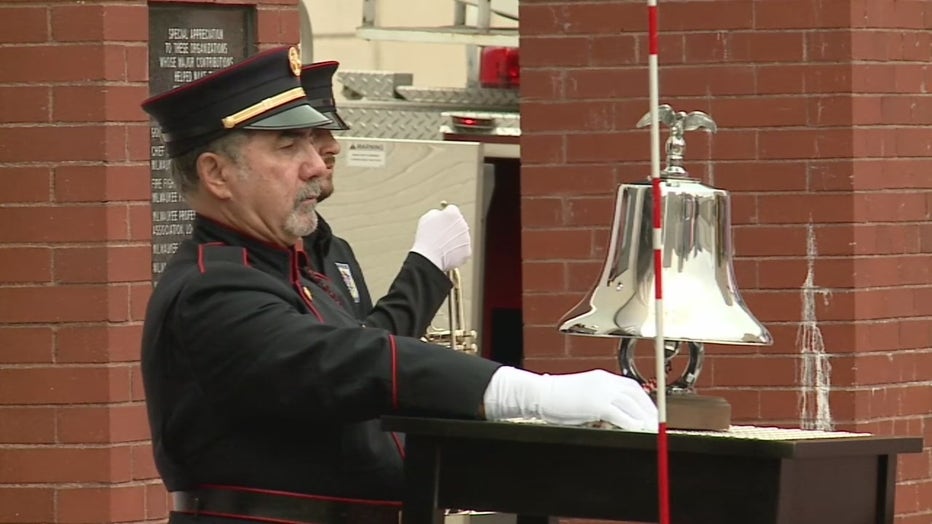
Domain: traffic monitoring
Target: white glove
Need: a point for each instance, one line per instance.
(443, 238)
(572, 399)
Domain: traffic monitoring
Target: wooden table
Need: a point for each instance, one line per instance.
(540, 471)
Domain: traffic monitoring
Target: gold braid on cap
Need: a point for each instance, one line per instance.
(261, 107)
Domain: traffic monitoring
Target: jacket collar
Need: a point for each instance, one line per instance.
(262, 255)
(319, 241)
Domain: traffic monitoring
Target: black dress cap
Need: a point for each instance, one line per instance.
(317, 79)
(261, 92)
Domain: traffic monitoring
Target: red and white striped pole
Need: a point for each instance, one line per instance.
(663, 478)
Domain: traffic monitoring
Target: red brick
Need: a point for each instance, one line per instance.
(875, 45)
(829, 46)
(566, 51)
(97, 424)
(32, 425)
(801, 14)
(781, 79)
(63, 385)
(874, 78)
(139, 294)
(566, 179)
(744, 209)
(136, 387)
(591, 347)
(143, 463)
(137, 63)
(542, 84)
(723, 80)
(98, 264)
(714, 16)
(102, 183)
(157, 502)
(542, 212)
(31, 144)
(139, 218)
(786, 273)
(109, 504)
(607, 147)
(21, 505)
(25, 104)
(542, 149)
(866, 239)
(77, 23)
(814, 207)
(760, 176)
(98, 103)
(25, 184)
(98, 343)
(753, 371)
(589, 211)
(834, 174)
(582, 276)
(890, 207)
(549, 308)
(829, 78)
(543, 276)
(572, 116)
(705, 47)
(543, 341)
(53, 304)
(756, 112)
(118, 302)
(125, 22)
(20, 25)
(25, 264)
(556, 245)
(137, 142)
(53, 63)
(22, 344)
(604, 83)
(583, 18)
(63, 464)
(614, 50)
(757, 47)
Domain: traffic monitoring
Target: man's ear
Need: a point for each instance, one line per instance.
(214, 170)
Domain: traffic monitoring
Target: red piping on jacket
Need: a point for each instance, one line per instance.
(388, 503)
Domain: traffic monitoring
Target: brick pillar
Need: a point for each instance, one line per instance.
(75, 272)
(824, 143)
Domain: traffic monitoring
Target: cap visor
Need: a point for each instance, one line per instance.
(297, 117)
(336, 124)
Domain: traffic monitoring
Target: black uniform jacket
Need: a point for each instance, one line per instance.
(413, 297)
(256, 376)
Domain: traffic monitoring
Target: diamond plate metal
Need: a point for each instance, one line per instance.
(394, 121)
(373, 85)
(461, 96)
(503, 124)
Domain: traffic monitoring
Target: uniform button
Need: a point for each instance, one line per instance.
(307, 293)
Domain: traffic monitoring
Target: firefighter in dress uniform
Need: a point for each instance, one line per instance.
(421, 286)
(263, 391)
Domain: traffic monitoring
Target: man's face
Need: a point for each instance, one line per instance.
(277, 186)
(328, 148)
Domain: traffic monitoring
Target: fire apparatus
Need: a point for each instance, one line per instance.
(411, 147)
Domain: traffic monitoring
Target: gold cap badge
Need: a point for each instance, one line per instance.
(294, 60)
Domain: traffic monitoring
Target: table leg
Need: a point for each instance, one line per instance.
(886, 488)
(422, 467)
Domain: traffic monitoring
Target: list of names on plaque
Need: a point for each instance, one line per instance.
(185, 44)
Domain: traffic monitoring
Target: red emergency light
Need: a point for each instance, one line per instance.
(498, 67)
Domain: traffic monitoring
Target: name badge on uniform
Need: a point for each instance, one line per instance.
(348, 280)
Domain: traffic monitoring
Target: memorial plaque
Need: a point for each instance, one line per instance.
(186, 42)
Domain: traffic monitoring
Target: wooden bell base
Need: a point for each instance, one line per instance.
(697, 412)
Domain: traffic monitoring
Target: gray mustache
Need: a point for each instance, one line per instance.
(312, 190)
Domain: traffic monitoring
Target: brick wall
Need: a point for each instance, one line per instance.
(74, 258)
(825, 143)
